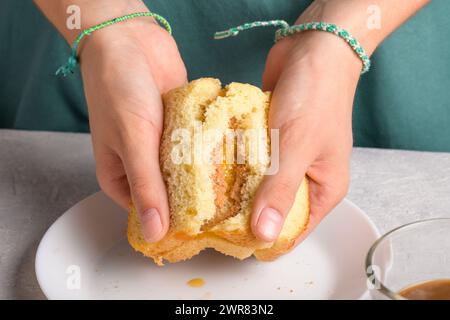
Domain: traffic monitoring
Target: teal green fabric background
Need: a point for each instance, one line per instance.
(404, 102)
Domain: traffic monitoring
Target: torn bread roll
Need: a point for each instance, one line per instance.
(210, 197)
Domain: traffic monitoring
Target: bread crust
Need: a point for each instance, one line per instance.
(191, 191)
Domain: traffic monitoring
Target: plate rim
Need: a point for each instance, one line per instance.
(38, 260)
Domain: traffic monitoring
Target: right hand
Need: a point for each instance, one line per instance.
(125, 69)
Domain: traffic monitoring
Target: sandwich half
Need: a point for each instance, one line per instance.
(214, 152)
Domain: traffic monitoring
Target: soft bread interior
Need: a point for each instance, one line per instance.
(211, 201)
(189, 186)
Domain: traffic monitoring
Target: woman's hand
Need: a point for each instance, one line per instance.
(313, 76)
(125, 69)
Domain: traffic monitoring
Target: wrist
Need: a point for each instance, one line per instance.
(136, 35)
(139, 42)
(349, 15)
(95, 12)
(326, 54)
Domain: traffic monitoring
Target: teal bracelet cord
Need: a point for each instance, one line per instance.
(287, 30)
(71, 64)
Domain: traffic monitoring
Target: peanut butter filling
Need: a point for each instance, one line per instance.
(228, 180)
(227, 187)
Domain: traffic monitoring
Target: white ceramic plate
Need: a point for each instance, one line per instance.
(85, 255)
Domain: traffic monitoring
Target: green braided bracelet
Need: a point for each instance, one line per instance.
(287, 30)
(69, 67)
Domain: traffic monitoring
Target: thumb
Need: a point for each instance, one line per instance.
(277, 193)
(141, 162)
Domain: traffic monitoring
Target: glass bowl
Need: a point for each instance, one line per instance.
(408, 255)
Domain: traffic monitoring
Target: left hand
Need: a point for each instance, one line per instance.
(313, 76)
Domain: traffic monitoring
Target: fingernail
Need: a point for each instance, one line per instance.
(269, 224)
(151, 225)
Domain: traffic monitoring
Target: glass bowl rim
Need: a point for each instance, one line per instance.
(368, 262)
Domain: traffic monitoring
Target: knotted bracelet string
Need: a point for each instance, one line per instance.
(286, 31)
(72, 62)
(235, 30)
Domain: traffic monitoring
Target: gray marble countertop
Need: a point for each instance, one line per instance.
(43, 174)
